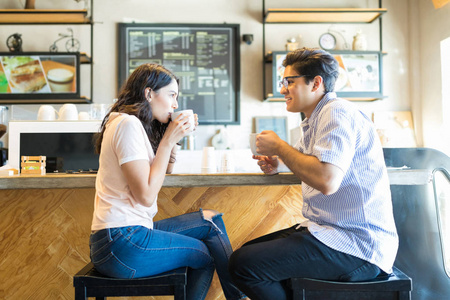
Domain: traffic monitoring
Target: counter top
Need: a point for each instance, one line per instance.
(73, 181)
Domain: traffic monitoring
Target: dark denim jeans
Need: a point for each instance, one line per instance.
(186, 240)
(262, 266)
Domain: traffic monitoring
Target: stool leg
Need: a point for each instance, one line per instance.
(179, 292)
(404, 295)
(80, 293)
(298, 294)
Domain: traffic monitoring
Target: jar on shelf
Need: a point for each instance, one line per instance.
(359, 41)
(291, 44)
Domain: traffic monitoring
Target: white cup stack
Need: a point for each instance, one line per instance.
(227, 164)
(208, 160)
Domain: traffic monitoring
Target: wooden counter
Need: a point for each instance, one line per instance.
(45, 220)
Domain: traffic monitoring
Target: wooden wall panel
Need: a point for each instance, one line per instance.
(44, 233)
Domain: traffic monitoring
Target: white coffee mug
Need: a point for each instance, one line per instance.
(68, 112)
(83, 115)
(46, 113)
(187, 112)
(253, 143)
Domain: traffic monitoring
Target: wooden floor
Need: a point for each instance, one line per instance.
(44, 232)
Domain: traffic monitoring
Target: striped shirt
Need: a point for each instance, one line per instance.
(358, 218)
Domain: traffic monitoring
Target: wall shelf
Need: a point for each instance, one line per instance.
(78, 17)
(321, 15)
(44, 16)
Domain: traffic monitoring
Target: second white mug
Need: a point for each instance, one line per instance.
(46, 113)
(253, 143)
(68, 112)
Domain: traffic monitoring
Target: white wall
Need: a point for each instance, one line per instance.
(434, 26)
(248, 13)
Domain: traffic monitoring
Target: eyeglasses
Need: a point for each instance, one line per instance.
(284, 82)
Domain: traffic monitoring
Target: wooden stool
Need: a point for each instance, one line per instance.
(396, 286)
(90, 283)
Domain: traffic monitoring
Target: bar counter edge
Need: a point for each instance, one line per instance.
(73, 181)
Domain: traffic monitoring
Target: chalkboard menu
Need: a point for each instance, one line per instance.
(206, 58)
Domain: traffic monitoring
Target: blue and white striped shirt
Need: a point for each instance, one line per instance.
(358, 218)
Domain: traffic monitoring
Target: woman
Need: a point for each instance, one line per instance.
(137, 146)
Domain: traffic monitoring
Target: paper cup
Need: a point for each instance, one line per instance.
(209, 160)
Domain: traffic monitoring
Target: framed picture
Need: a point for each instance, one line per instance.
(360, 74)
(277, 124)
(277, 72)
(38, 77)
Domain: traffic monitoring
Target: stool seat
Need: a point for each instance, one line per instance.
(88, 282)
(394, 286)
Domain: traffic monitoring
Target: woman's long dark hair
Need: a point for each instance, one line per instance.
(132, 101)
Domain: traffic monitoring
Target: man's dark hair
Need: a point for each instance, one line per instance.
(312, 62)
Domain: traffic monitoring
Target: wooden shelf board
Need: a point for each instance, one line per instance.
(81, 100)
(271, 98)
(321, 15)
(43, 16)
(360, 99)
(85, 59)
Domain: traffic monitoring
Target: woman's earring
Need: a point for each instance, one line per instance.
(147, 91)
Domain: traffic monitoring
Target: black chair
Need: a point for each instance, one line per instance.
(421, 219)
(90, 283)
(395, 286)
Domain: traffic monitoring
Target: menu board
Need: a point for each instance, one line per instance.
(206, 58)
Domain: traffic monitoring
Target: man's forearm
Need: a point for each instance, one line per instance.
(318, 175)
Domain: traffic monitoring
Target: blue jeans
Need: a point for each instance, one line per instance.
(187, 240)
(261, 267)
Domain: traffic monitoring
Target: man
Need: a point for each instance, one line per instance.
(350, 233)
